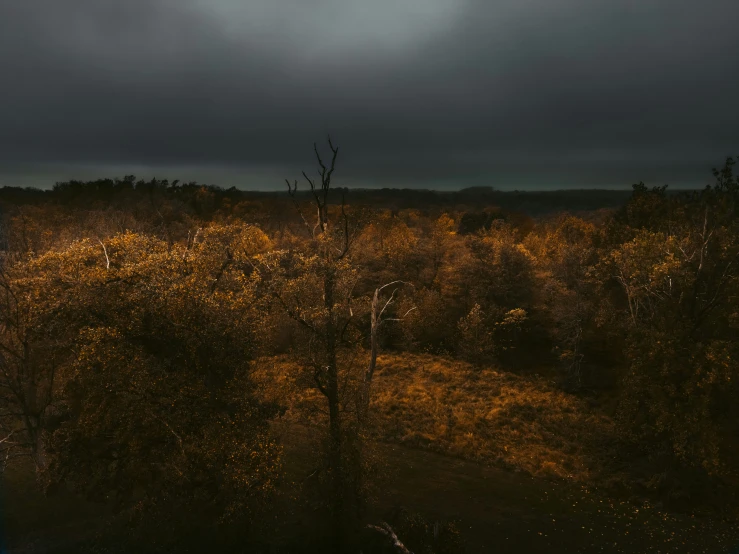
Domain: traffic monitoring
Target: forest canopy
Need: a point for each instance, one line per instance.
(154, 332)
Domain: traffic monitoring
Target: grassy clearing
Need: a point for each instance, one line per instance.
(451, 407)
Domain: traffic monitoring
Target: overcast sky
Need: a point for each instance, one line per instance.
(418, 93)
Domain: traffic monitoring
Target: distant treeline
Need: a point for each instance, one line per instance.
(107, 192)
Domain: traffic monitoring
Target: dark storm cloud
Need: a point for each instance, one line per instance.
(414, 91)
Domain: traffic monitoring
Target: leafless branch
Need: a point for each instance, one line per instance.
(387, 531)
(292, 190)
(389, 301)
(376, 322)
(391, 283)
(320, 196)
(400, 318)
(105, 251)
(189, 243)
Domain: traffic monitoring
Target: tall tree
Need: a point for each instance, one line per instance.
(315, 285)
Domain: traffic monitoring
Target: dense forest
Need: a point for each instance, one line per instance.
(187, 368)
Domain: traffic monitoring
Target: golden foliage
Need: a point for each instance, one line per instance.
(153, 393)
(452, 407)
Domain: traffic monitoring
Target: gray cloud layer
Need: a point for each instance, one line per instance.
(502, 92)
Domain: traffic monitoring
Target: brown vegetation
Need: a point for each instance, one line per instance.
(150, 332)
(450, 406)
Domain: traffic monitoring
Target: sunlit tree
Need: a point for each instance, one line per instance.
(137, 362)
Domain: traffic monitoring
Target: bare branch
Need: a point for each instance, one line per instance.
(320, 197)
(292, 190)
(333, 163)
(190, 244)
(387, 531)
(319, 222)
(391, 283)
(376, 322)
(409, 311)
(311, 183)
(389, 301)
(318, 156)
(105, 251)
(400, 318)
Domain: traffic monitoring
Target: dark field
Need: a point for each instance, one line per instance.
(495, 510)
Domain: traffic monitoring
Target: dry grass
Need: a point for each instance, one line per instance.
(448, 406)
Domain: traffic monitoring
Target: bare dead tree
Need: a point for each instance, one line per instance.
(376, 321)
(319, 191)
(325, 332)
(331, 249)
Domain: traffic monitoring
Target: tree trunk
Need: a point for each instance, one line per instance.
(39, 454)
(336, 469)
(38, 445)
(363, 408)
